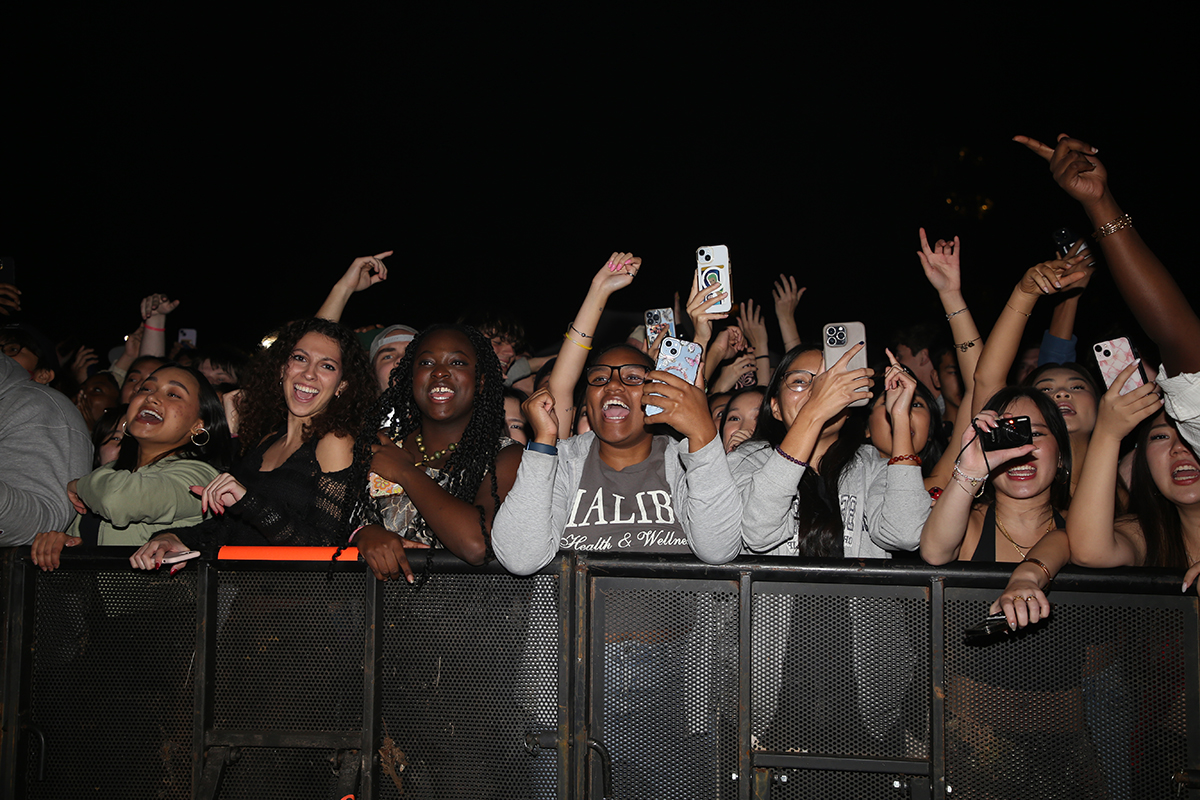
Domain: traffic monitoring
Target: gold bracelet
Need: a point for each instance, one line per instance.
(1022, 313)
(1038, 562)
(1109, 228)
(967, 345)
(571, 339)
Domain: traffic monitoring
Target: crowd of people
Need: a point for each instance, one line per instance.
(459, 437)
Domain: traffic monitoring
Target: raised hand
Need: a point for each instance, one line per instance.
(157, 305)
(836, 388)
(787, 296)
(10, 299)
(84, 358)
(941, 263)
(617, 273)
(729, 375)
(1118, 413)
(684, 406)
(698, 309)
(1074, 165)
(1051, 277)
(543, 419)
(754, 326)
(365, 271)
(973, 461)
(899, 389)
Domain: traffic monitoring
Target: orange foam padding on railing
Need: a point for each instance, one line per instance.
(285, 554)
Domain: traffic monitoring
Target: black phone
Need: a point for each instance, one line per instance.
(1009, 432)
(991, 625)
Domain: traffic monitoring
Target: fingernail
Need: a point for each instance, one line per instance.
(1012, 625)
(1184, 589)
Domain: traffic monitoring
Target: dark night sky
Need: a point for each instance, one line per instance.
(242, 166)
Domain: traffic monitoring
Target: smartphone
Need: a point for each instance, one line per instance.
(175, 558)
(840, 337)
(678, 357)
(1115, 355)
(991, 625)
(659, 322)
(1009, 432)
(188, 336)
(712, 265)
(1067, 246)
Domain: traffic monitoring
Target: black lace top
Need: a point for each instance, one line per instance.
(295, 504)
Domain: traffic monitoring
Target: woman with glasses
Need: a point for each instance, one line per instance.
(810, 485)
(619, 487)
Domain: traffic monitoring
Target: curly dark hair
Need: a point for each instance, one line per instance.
(473, 459)
(261, 407)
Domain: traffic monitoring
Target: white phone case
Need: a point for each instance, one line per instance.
(712, 264)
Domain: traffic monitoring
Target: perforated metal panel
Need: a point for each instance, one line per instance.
(272, 773)
(1090, 704)
(465, 677)
(289, 654)
(811, 784)
(838, 674)
(112, 684)
(665, 686)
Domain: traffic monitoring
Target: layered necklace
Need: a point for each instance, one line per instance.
(1022, 551)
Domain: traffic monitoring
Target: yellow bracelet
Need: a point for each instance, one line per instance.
(571, 339)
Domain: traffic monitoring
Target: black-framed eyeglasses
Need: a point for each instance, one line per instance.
(799, 380)
(630, 374)
(11, 349)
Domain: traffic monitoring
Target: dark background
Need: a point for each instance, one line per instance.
(240, 164)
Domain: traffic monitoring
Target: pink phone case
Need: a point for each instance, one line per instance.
(1115, 355)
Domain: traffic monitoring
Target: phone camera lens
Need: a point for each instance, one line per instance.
(700, 252)
(708, 258)
(831, 331)
(1107, 353)
(832, 342)
(1098, 348)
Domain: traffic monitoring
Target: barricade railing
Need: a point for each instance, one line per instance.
(623, 676)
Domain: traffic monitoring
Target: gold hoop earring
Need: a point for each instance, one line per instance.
(207, 437)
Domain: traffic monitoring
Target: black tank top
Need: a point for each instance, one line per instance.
(986, 549)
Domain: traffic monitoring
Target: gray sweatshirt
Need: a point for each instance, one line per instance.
(531, 521)
(44, 445)
(883, 507)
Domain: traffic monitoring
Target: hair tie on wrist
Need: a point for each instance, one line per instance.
(152, 328)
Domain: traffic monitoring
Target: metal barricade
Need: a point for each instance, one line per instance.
(630, 677)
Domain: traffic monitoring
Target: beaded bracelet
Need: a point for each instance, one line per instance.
(1038, 562)
(792, 459)
(913, 457)
(1109, 228)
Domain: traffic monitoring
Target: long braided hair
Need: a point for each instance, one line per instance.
(475, 456)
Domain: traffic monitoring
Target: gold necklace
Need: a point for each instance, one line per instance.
(429, 458)
(1023, 551)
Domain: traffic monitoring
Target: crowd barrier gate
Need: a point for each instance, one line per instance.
(630, 677)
